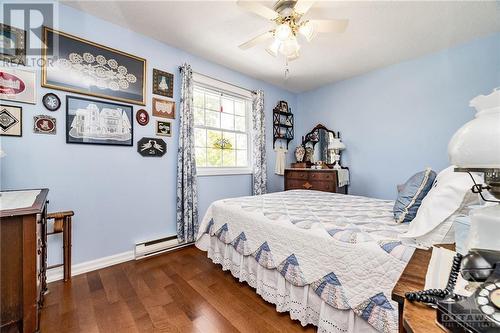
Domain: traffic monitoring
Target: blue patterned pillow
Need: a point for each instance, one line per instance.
(411, 195)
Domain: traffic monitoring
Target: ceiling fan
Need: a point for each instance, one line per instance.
(287, 16)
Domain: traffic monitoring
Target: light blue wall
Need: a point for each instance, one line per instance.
(398, 120)
(118, 196)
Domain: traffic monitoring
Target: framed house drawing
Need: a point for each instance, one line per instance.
(77, 65)
(91, 121)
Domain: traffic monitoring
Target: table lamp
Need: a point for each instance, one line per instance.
(475, 147)
(336, 145)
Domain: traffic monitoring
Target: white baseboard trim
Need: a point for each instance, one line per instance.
(56, 274)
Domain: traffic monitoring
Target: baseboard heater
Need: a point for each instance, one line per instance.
(157, 246)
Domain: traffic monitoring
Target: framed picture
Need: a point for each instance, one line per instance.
(163, 83)
(51, 102)
(142, 117)
(17, 85)
(84, 67)
(163, 128)
(283, 106)
(43, 124)
(13, 44)
(11, 120)
(90, 121)
(151, 147)
(163, 108)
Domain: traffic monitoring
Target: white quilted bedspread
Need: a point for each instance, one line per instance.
(345, 247)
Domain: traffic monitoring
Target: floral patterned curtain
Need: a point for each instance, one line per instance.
(259, 143)
(187, 189)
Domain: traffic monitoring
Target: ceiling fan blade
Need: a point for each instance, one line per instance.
(256, 40)
(330, 25)
(258, 9)
(302, 6)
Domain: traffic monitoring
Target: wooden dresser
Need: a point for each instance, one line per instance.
(312, 179)
(23, 263)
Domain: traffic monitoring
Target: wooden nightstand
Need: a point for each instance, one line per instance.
(415, 317)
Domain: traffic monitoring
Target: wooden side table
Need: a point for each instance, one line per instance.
(415, 317)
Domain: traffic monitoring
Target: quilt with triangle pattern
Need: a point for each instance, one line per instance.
(345, 247)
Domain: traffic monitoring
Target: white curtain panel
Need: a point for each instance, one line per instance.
(187, 188)
(259, 143)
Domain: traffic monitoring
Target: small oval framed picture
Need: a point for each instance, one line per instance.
(142, 117)
(51, 102)
(43, 124)
(163, 128)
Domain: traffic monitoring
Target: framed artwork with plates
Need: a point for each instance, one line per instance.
(77, 65)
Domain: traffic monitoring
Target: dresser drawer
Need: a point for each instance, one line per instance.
(321, 175)
(296, 184)
(322, 186)
(297, 175)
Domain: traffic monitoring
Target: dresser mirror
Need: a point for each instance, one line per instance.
(317, 143)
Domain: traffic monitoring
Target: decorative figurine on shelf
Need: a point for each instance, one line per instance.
(299, 153)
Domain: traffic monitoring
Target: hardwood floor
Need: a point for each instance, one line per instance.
(181, 291)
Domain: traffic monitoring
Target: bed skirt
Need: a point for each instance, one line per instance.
(301, 302)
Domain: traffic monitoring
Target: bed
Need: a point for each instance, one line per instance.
(328, 259)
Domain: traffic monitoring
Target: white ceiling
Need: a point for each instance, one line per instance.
(380, 33)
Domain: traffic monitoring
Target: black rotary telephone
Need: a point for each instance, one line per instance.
(478, 313)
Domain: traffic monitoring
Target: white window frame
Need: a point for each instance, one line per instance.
(207, 83)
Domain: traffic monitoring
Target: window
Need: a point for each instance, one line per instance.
(221, 121)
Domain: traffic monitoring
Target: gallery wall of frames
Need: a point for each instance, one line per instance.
(105, 93)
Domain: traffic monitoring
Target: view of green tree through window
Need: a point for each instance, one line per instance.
(221, 129)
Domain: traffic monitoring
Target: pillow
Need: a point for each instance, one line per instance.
(411, 194)
(450, 197)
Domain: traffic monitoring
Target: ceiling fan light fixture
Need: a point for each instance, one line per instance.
(306, 29)
(289, 47)
(274, 47)
(293, 56)
(283, 32)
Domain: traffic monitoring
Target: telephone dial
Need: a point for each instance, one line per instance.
(478, 313)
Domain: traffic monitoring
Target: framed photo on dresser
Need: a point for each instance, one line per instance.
(77, 65)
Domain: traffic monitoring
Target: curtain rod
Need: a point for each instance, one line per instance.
(213, 78)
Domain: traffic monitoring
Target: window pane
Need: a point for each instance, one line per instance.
(214, 157)
(199, 117)
(227, 121)
(201, 157)
(241, 158)
(241, 141)
(213, 118)
(239, 108)
(227, 106)
(214, 137)
(212, 102)
(239, 123)
(229, 158)
(200, 137)
(198, 99)
(231, 138)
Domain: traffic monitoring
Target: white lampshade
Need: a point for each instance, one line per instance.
(477, 143)
(290, 47)
(283, 31)
(274, 47)
(336, 144)
(306, 29)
